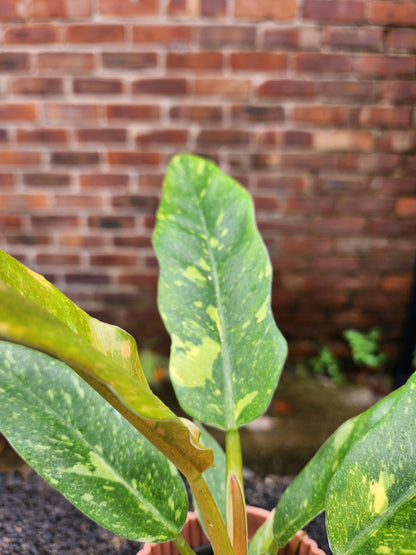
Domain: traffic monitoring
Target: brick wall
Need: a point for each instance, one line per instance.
(309, 103)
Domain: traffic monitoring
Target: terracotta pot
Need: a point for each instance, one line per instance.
(301, 544)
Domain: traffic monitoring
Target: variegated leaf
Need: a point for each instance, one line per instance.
(87, 450)
(371, 501)
(214, 296)
(305, 496)
(24, 321)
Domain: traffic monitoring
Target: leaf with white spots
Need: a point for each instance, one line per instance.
(86, 449)
(214, 296)
(371, 500)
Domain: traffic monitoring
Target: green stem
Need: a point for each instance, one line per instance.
(183, 546)
(234, 460)
(214, 524)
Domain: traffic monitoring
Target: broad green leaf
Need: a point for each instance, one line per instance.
(305, 496)
(214, 296)
(87, 450)
(371, 501)
(110, 340)
(24, 321)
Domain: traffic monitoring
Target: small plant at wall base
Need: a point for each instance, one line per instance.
(365, 348)
(75, 404)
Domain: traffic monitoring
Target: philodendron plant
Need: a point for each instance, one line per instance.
(75, 404)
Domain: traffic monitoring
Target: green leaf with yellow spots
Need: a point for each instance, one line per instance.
(306, 495)
(371, 500)
(214, 296)
(86, 449)
(31, 321)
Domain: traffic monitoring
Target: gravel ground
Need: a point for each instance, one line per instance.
(36, 520)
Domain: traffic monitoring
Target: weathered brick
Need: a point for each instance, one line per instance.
(32, 34)
(73, 158)
(111, 222)
(258, 61)
(103, 180)
(343, 140)
(14, 61)
(12, 10)
(198, 8)
(396, 283)
(284, 10)
(42, 135)
(392, 13)
(311, 162)
(151, 180)
(390, 117)
(102, 135)
(163, 137)
(133, 158)
(369, 164)
(286, 88)
(221, 36)
(396, 141)
(133, 111)
(196, 112)
(95, 33)
(286, 38)
(70, 112)
(226, 88)
(402, 39)
(54, 221)
(399, 92)
(386, 66)
(366, 39)
(114, 259)
(58, 259)
(141, 203)
(341, 226)
(257, 112)
(177, 36)
(11, 202)
(4, 136)
(36, 85)
(160, 86)
(406, 207)
(323, 63)
(47, 179)
(45, 9)
(129, 60)
(334, 11)
(97, 86)
(322, 115)
(349, 91)
(126, 9)
(18, 112)
(196, 61)
(66, 62)
(220, 137)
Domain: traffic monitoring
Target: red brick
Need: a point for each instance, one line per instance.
(24, 202)
(284, 10)
(163, 136)
(369, 164)
(221, 36)
(46, 135)
(32, 34)
(225, 88)
(66, 62)
(97, 86)
(219, 137)
(4, 136)
(133, 158)
(19, 158)
(397, 141)
(197, 61)
(281, 38)
(386, 66)
(10, 220)
(12, 10)
(322, 115)
(406, 207)
(127, 9)
(341, 226)
(178, 36)
(111, 222)
(73, 158)
(102, 135)
(298, 139)
(198, 8)
(79, 201)
(399, 92)
(129, 60)
(315, 206)
(396, 283)
(160, 86)
(196, 112)
(310, 162)
(258, 61)
(67, 112)
(143, 203)
(389, 117)
(114, 259)
(133, 111)
(392, 13)
(95, 33)
(58, 259)
(323, 63)
(344, 140)
(36, 85)
(151, 180)
(47, 179)
(14, 61)
(55, 221)
(257, 112)
(402, 39)
(45, 9)
(104, 180)
(353, 39)
(18, 112)
(364, 205)
(286, 88)
(335, 11)
(351, 91)
(305, 245)
(336, 264)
